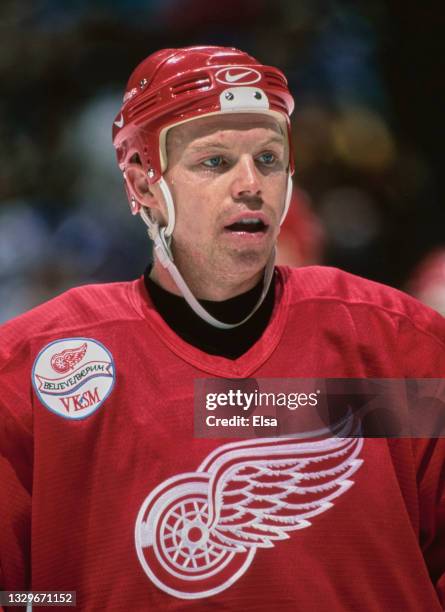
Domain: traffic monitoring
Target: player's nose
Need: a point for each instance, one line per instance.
(246, 180)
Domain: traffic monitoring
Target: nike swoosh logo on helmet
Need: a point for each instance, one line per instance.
(232, 78)
(119, 122)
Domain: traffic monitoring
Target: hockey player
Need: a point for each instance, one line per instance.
(105, 489)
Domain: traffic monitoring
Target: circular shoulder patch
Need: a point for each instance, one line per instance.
(73, 376)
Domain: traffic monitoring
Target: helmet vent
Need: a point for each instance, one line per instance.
(277, 101)
(184, 106)
(142, 105)
(228, 57)
(275, 80)
(199, 81)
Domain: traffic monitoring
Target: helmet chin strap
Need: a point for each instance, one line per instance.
(161, 237)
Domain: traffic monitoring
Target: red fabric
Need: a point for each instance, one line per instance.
(379, 547)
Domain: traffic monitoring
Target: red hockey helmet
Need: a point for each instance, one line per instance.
(173, 86)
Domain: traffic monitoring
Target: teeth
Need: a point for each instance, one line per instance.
(247, 221)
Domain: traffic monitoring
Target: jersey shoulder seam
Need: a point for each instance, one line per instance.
(373, 305)
(71, 330)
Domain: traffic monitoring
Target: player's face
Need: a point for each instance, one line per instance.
(228, 176)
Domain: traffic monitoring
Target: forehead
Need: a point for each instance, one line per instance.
(220, 126)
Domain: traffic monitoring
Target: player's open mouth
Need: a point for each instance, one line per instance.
(249, 225)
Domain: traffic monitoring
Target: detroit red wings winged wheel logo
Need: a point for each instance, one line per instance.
(197, 533)
(66, 360)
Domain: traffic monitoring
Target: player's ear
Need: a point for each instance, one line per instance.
(139, 187)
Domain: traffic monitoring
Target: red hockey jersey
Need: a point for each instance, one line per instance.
(105, 490)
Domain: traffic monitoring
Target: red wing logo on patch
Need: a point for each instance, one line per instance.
(66, 360)
(197, 533)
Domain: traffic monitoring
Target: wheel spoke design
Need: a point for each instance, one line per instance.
(185, 538)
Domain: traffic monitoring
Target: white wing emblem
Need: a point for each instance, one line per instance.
(198, 532)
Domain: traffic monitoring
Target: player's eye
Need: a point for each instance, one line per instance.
(213, 162)
(267, 158)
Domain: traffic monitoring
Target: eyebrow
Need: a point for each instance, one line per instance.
(215, 144)
(203, 146)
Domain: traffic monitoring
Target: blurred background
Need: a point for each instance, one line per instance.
(368, 134)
